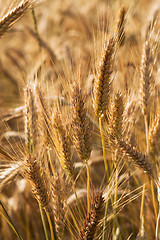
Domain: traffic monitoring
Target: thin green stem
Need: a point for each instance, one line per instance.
(11, 225)
(9, 221)
(43, 222)
(50, 226)
(88, 188)
(103, 146)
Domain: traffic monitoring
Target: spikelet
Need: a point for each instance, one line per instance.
(30, 120)
(145, 78)
(38, 180)
(116, 116)
(154, 133)
(120, 34)
(58, 206)
(136, 157)
(63, 145)
(102, 82)
(11, 17)
(90, 224)
(81, 130)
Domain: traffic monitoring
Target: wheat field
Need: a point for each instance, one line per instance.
(79, 120)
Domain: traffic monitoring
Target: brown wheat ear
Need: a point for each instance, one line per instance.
(95, 215)
(31, 118)
(38, 181)
(116, 116)
(80, 124)
(63, 145)
(145, 79)
(120, 33)
(154, 133)
(102, 83)
(136, 157)
(11, 17)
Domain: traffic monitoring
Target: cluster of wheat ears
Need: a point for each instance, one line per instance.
(79, 150)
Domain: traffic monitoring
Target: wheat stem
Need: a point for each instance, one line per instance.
(43, 222)
(103, 147)
(88, 187)
(9, 221)
(10, 224)
(50, 225)
(153, 198)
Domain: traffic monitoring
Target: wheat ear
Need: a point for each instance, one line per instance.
(116, 116)
(154, 133)
(102, 83)
(63, 145)
(91, 223)
(120, 33)
(136, 157)
(11, 17)
(145, 78)
(32, 169)
(80, 124)
(31, 118)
